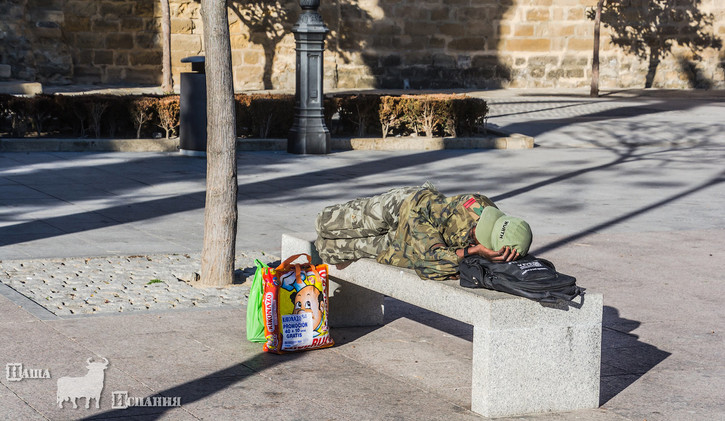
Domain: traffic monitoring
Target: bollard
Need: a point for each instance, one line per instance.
(192, 104)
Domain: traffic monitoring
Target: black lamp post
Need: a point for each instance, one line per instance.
(309, 134)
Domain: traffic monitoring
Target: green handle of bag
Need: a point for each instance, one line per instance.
(255, 319)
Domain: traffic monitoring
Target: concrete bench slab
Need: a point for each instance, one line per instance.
(527, 357)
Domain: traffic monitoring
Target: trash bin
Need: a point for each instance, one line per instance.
(192, 104)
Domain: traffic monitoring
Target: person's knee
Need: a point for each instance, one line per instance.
(319, 221)
(332, 251)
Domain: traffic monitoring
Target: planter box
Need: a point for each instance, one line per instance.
(496, 140)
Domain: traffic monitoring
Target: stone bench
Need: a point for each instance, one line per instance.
(527, 357)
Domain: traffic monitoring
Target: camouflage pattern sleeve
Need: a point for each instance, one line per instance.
(434, 260)
(430, 229)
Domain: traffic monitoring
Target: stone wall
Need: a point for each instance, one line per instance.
(372, 43)
(509, 43)
(113, 41)
(81, 41)
(31, 40)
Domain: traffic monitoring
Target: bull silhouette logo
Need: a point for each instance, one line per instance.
(88, 386)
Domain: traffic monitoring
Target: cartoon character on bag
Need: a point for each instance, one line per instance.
(307, 297)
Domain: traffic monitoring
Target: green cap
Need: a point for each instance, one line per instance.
(495, 230)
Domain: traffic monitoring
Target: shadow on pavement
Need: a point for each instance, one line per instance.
(536, 127)
(138, 211)
(200, 388)
(120, 211)
(395, 309)
(624, 357)
(614, 221)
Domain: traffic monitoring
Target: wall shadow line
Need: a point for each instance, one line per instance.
(627, 156)
(121, 214)
(535, 127)
(629, 215)
(200, 388)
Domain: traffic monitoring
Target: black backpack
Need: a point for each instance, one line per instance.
(529, 277)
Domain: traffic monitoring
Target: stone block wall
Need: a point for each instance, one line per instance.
(263, 46)
(82, 41)
(113, 41)
(31, 40)
(372, 43)
(507, 43)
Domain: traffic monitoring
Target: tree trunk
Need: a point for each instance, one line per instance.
(167, 84)
(220, 214)
(268, 64)
(654, 62)
(595, 58)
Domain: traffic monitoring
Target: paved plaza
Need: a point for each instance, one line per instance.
(625, 192)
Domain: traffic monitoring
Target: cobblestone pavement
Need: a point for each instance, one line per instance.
(71, 286)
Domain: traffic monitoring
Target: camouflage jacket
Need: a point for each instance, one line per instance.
(430, 230)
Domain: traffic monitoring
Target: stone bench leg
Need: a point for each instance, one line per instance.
(528, 358)
(350, 305)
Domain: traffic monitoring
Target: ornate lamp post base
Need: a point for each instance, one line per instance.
(309, 135)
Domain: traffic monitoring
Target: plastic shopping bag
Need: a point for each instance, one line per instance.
(255, 317)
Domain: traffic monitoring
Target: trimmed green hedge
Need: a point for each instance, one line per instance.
(257, 115)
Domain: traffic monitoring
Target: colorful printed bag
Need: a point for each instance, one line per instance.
(295, 307)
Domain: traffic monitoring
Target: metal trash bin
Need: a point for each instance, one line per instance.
(192, 104)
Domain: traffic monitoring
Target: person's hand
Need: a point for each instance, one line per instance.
(506, 254)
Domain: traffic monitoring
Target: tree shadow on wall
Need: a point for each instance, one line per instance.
(694, 76)
(404, 44)
(650, 28)
(430, 45)
(270, 21)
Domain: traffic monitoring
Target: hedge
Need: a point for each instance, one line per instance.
(257, 115)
